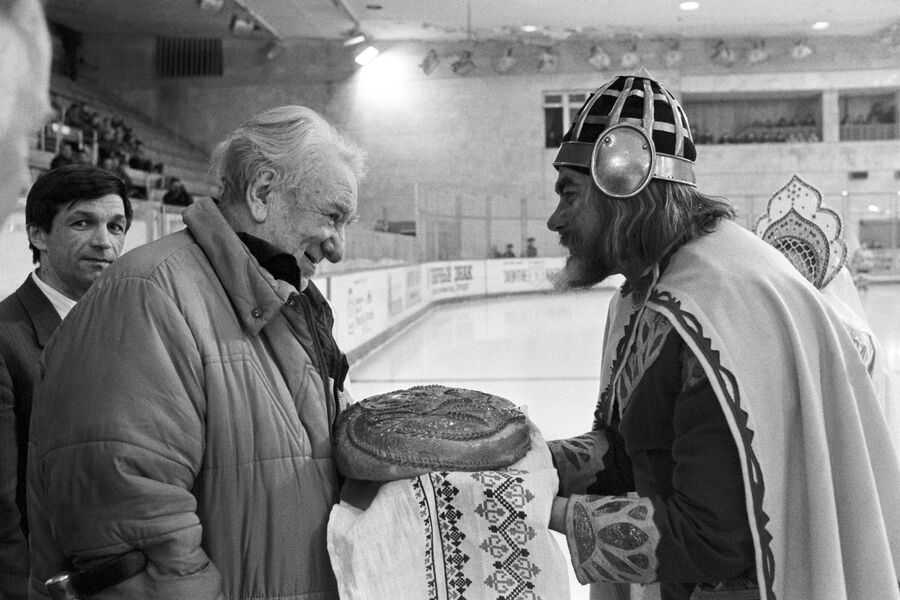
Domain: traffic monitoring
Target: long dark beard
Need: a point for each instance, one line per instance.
(589, 261)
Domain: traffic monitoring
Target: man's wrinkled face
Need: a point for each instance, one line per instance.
(309, 223)
(84, 239)
(582, 230)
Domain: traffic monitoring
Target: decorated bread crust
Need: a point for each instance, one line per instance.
(428, 428)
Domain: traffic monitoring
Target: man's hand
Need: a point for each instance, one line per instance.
(359, 493)
(578, 460)
(558, 515)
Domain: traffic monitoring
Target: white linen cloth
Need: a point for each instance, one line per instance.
(453, 535)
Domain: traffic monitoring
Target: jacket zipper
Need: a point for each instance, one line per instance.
(322, 364)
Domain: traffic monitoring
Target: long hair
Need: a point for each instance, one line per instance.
(294, 142)
(639, 230)
(665, 213)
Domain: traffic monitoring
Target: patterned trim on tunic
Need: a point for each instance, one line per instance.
(603, 412)
(725, 384)
(632, 360)
(653, 329)
(612, 538)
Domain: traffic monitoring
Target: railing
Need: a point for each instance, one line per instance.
(868, 131)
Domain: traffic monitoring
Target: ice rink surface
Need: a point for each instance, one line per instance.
(538, 350)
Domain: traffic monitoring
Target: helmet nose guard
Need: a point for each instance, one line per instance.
(629, 131)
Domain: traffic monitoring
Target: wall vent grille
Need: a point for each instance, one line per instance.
(188, 57)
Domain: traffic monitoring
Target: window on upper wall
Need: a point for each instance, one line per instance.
(868, 115)
(560, 109)
(755, 118)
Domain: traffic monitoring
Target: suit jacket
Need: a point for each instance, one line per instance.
(27, 319)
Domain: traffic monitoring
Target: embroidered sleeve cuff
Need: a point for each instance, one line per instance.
(612, 538)
(578, 460)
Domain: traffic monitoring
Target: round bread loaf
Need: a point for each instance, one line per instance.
(428, 428)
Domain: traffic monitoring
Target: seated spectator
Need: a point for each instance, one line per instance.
(139, 158)
(65, 157)
(83, 157)
(176, 194)
(113, 165)
(879, 113)
(73, 115)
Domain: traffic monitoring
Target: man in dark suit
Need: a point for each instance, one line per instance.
(76, 217)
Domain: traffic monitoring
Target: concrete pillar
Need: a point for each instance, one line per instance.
(831, 117)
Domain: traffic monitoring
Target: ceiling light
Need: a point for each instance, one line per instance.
(630, 59)
(548, 61)
(212, 5)
(463, 65)
(801, 50)
(242, 25)
(366, 56)
(757, 53)
(355, 38)
(599, 59)
(724, 54)
(529, 28)
(873, 208)
(506, 62)
(820, 25)
(430, 62)
(274, 50)
(689, 5)
(673, 56)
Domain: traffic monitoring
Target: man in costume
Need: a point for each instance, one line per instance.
(181, 431)
(811, 237)
(739, 446)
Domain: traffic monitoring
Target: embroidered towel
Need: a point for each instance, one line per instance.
(454, 535)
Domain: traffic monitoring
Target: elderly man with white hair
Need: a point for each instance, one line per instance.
(182, 431)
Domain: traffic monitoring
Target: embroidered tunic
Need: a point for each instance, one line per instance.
(673, 447)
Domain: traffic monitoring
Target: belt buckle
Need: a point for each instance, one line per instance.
(60, 587)
(82, 584)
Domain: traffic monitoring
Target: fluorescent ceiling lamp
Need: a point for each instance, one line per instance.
(356, 39)
(820, 25)
(689, 5)
(212, 5)
(873, 208)
(599, 59)
(529, 28)
(367, 56)
(242, 25)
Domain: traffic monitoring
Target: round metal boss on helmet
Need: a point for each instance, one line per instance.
(628, 132)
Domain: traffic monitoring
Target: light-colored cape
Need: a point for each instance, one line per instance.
(821, 476)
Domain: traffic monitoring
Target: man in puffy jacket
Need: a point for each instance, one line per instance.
(181, 432)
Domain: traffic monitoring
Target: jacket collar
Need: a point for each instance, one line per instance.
(255, 294)
(44, 318)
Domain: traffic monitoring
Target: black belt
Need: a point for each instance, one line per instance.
(81, 584)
